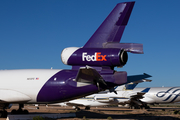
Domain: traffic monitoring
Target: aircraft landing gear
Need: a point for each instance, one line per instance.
(3, 114)
(19, 111)
(146, 106)
(87, 108)
(77, 108)
(135, 106)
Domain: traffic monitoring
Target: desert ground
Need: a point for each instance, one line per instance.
(108, 113)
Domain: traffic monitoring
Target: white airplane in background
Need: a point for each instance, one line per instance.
(123, 95)
(135, 98)
(157, 95)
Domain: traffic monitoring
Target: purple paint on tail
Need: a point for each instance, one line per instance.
(112, 28)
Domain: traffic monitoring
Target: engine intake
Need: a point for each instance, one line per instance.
(123, 57)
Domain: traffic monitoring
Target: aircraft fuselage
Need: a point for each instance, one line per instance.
(42, 86)
(161, 95)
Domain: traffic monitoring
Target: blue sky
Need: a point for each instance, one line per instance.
(34, 32)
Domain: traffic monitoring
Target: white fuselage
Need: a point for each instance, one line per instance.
(154, 95)
(161, 95)
(23, 85)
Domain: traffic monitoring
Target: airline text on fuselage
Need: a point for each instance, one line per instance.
(96, 57)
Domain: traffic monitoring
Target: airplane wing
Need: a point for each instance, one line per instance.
(111, 30)
(135, 96)
(129, 97)
(75, 104)
(135, 78)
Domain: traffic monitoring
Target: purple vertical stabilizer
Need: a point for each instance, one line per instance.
(112, 28)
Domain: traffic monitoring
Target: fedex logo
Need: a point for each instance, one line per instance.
(96, 57)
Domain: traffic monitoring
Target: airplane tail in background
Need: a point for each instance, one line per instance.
(145, 90)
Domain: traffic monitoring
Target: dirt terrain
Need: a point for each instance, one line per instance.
(123, 113)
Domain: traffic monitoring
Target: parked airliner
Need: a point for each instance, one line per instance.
(92, 68)
(135, 98)
(157, 95)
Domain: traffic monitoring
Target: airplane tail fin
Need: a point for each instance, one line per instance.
(111, 30)
(145, 90)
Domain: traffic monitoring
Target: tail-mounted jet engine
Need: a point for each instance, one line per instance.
(112, 54)
(94, 56)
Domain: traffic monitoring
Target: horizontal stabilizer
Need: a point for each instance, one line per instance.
(132, 85)
(128, 47)
(134, 78)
